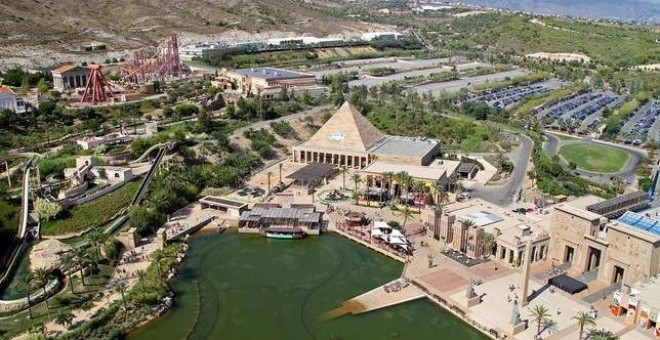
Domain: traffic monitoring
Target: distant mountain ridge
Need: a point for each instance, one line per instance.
(642, 11)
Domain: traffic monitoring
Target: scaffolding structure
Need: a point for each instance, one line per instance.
(162, 65)
(97, 90)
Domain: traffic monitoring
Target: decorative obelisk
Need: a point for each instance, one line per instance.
(524, 275)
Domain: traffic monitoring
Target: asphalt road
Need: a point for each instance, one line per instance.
(506, 194)
(455, 85)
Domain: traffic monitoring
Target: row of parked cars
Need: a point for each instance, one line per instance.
(640, 130)
(506, 97)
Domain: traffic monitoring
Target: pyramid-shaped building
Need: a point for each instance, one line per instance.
(349, 139)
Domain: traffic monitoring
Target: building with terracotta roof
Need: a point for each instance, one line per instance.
(69, 76)
(348, 139)
(10, 101)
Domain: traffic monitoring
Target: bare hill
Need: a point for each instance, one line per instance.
(61, 25)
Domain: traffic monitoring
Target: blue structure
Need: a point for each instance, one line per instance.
(641, 222)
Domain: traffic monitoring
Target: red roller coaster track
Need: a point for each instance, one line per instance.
(97, 90)
(162, 65)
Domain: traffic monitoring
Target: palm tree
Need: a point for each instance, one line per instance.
(41, 275)
(27, 279)
(142, 278)
(405, 181)
(66, 260)
(121, 288)
(343, 170)
(388, 177)
(405, 213)
(269, 173)
(541, 314)
(601, 334)
(64, 318)
(158, 256)
(81, 260)
(418, 188)
(370, 182)
(487, 241)
(95, 237)
(618, 186)
(356, 179)
(584, 319)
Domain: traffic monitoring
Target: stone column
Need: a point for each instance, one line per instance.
(524, 285)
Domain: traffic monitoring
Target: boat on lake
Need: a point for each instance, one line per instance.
(284, 233)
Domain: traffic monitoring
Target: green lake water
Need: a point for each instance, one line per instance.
(249, 287)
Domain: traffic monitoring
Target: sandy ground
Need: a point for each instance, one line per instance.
(560, 56)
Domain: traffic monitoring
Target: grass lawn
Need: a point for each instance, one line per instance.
(595, 157)
(94, 213)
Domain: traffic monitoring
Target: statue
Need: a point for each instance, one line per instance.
(515, 314)
(469, 293)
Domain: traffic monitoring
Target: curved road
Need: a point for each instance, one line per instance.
(507, 193)
(553, 143)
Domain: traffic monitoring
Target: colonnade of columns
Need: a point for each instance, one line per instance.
(347, 160)
(511, 255)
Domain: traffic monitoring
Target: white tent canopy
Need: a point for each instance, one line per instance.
(381, 225)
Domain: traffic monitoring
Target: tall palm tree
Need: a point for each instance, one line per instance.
(66, 260)
(418, 188)
(81, 260)
(405, 181)
(158, 256)
(356, 180)
(120, 287)
(370, 182)
(388, 177)
(343, 170)
(142, 278)
(584, 320)
(406, 213)
(95, 239)
(541, 314)
(41, 276)
(269, 173)
(601, 334)
(27, 280)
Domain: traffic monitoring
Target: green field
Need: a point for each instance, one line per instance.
(595, 157)
(94, 213)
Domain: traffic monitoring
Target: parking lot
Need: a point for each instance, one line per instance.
(642, 124)
(507, 97)
(579, 112)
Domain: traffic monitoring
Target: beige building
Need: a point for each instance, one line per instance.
(349, 139)
(624, 250)
(69, 76)
(268, 82)
(462, 227)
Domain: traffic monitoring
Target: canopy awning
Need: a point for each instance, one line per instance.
(568, 284)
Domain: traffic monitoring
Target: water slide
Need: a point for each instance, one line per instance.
(151, 174)
(149, 151)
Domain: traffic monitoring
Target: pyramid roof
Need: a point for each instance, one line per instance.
(347, 129)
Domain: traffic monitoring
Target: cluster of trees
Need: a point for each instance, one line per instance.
(18, 77)
(261, 141)
(255, 108)
(284, 129)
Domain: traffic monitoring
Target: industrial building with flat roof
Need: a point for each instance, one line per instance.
(268, 82)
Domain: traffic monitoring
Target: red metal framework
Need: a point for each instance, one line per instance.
(162, 65)
(97, 90)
